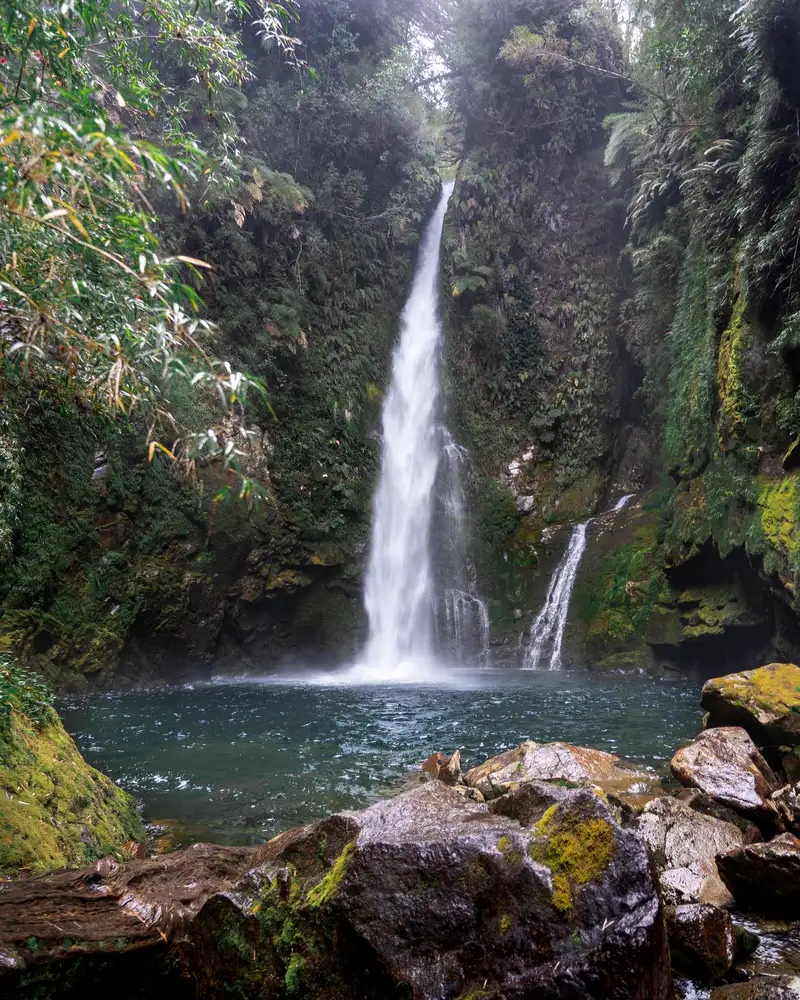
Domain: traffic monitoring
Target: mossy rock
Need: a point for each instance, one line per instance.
(364, 904)
(576, 849)
(765, 702)
(56, 810)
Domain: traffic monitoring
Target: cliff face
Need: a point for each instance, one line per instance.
(579, 373)
(539, 382)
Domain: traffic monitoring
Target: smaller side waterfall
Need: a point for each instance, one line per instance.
(547, 632)
(461, 617)
(548, 629)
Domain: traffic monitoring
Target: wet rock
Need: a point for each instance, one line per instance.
(747, 943)
(431, 896)
(443, 768)
(104, 930)
(468, 793)
(765, 702)
(761, 988)
(702, 941)
(685, 844)
(765, 877)
(702, 803)
(561, 762)
(725, 764)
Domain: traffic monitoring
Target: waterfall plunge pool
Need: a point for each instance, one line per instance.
(237, 763)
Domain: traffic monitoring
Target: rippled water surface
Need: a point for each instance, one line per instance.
(239, 762)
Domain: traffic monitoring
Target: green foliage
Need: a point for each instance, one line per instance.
(532, 315)
(707, 156)
(90, 301)
(624, 590)
(22, 691)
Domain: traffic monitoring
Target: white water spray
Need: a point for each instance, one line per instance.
(547, 632)
(461, 617)
(399, 585)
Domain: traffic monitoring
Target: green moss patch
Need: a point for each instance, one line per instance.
(576, 851)
(55, 810)
(625, 589)
(320, 894)
(779, 501)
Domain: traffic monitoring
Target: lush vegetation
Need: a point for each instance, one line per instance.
(530, 272)
(707, 157)
(187, 199)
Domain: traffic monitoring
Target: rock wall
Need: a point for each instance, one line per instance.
(540, 387)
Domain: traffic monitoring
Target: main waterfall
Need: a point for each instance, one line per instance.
(400, 581)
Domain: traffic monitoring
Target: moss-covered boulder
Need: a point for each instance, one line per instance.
(429, 895)
(423, 896)
(765, 702)
(55, 810)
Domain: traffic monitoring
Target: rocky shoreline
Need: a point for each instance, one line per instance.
(550, 871)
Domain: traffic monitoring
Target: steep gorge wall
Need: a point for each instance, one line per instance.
(628, 326)
(538, 380)
(712, 235)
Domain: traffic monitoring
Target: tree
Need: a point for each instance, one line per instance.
(90, 304)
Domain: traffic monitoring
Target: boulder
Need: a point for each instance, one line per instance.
(765, 877)
(427, 895)
(561, 762)
(702, 803)
(761, 988)
(685, 844)
(702, 941)
(765, 702)
(431, 896)
(726, 765)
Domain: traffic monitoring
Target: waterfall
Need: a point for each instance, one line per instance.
(399, 593)
(461, 617)
(547, 632)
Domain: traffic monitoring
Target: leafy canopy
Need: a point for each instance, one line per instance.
(93, 101)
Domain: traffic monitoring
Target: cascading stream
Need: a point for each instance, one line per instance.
(399, 584)
(461, 617)
(547, 632)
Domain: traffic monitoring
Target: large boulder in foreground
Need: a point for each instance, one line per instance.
(56, 810)
(685, 844)
(765, 702)
(702, 941)
(726, 765)
(430, 895)
(560, 762)
(427, 895)
(765, 877)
